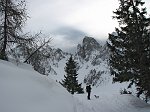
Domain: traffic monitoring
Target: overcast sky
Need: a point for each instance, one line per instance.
(68, 21)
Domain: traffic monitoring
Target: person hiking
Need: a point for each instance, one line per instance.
(88, 90)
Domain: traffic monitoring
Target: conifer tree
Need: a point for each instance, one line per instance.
(70, 82)
(130, 48)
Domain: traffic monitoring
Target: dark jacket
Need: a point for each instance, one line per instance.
(88, 88)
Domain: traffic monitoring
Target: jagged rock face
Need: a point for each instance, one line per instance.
(89, 45)
(91, 50)
(103, 55)
(55, 55)
(81, 51)
(59, 54)
(93, 77)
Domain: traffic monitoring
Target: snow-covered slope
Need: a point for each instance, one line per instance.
(24, 90)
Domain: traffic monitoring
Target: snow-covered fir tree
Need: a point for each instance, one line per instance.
(70, 82)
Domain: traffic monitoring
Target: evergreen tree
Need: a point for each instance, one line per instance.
(12, 18)
(70, 82)
(130, 47)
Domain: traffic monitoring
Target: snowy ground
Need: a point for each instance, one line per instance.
(110, 103)
(24, 90)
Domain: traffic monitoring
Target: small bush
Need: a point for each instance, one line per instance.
(124, 91)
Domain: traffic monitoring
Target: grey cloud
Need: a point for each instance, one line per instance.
(70, 33)
(67, 38)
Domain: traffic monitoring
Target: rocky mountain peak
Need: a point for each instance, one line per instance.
(90, 43)
(88, 46)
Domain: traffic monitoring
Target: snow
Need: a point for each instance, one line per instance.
(111, 103)
(24, 90)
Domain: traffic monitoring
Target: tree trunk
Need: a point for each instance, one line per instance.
(3, 52)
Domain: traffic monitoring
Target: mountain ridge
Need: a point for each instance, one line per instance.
(92, 58)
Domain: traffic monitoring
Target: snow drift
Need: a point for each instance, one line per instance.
(24, 90)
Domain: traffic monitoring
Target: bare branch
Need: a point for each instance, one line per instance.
(37, 50)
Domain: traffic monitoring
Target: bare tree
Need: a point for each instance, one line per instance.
(12, 18)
